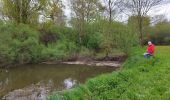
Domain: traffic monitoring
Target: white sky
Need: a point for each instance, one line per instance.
(67, 7)
(163, 9)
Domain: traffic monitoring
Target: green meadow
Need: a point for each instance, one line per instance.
(138, 79)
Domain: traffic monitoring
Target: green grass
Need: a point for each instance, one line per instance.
(139, 79)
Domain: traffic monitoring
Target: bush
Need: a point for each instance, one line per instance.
(19, 44)
(93, 41)
(125, 38)
(118, 36)
(51, 33)
(59, 51)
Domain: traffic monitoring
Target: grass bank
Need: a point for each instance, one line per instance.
(139, 79)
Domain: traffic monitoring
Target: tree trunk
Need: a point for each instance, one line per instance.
(110, 12)
(140, 21)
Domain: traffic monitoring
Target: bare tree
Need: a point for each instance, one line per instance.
(140, 8)
(111, 8)
(159, 19)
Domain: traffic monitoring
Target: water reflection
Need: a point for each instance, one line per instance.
(69, 83)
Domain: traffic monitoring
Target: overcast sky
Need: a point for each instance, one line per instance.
(163, 9)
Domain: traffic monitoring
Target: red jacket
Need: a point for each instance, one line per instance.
(150, 49)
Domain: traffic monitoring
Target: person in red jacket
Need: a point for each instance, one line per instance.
(150, 50)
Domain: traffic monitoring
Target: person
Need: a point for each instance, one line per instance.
(150, 50)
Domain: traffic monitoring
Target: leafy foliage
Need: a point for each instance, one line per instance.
(19, 44)
(159, 33)
(22, 11)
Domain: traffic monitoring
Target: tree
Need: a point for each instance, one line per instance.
(140, 8)
(86, 10)
(159, 18)
(160, 33)
(111, 8)
(54, 11)
(22, 11)
(83, 11)
(133, 23)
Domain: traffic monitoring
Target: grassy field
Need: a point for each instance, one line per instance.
(139, 79)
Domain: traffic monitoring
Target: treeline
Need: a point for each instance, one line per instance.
(157, 30)
(160, 33)
(33, 31)
(21, 44)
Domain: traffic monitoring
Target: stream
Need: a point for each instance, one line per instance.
(45, 77)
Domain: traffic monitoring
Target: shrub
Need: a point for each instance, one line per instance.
(126, 39)
(59, 51)
(19, 44)
(51, 33)
(93, 41)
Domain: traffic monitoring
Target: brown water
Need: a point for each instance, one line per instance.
(61, 76)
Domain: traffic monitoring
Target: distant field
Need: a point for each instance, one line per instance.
(139, 79)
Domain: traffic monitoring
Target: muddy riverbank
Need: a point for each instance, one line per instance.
(115, 61)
